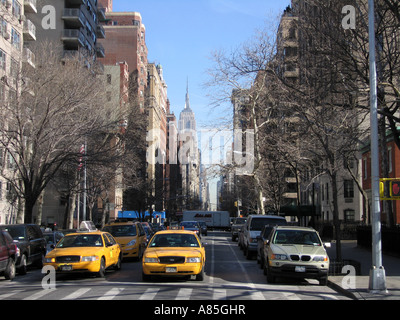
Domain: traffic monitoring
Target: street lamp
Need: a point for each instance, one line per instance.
(377, 280)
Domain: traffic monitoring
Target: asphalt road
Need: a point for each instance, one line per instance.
(229, 277)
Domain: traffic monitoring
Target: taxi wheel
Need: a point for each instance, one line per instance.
(102, 271)
(118, 264)
(200, 276)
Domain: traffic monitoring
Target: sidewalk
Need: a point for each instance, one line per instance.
(360, 291)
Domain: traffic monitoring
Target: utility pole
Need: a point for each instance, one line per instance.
(377, 280)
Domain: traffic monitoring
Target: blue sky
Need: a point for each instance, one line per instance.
(181, 34)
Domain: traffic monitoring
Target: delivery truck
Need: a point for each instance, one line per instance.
(213, 219)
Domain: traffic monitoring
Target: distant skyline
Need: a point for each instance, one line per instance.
(182, 34)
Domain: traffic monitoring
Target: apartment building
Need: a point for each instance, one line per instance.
(16, 32)
(75, 24)
(156, 110)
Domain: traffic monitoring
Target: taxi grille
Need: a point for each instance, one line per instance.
(172, 260)
(66, 259)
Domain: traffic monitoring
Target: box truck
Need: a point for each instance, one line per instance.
(213, 219)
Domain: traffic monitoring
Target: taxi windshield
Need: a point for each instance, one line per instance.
(174, 240)
(122, 230)
(81, 240)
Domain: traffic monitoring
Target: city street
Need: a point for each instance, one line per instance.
(229, 276)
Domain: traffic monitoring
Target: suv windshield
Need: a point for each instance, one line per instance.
(81, 240)
(258, 223)
(16, 232)
(122, 230)
(296, 237)
(174, 240)
(240, 221)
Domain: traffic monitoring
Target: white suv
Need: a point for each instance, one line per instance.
(295, 252)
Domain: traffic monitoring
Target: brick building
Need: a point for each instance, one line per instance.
(394, 172)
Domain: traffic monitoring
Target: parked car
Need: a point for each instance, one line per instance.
(295, 252)
(52, 238)
(237, 225)
(252, 229)
(8, 255)
(174, 253)
(191, 226)
(130, 235)
(87, 251)
(30, 242)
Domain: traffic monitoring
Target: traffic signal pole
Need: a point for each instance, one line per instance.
(377, 280)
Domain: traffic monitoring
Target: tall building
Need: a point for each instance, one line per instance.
(189, 156)
(156, 108)
(15, 33)
(126, 41)
(73, 23)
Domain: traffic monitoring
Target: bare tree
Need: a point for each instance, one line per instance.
(57, 105)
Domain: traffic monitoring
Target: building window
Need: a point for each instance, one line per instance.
(2, 60)
(348, 189)
(349, 215)
(16, 9)
(15, 39)
(365, 168)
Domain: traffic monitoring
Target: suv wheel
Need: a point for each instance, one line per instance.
(9, 273)
(22, 269)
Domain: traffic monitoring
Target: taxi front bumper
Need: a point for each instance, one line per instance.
(87, 266)
(172, 269)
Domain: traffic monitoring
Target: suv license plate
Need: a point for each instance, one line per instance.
(170, 269)
(66, 268)
(300, 269)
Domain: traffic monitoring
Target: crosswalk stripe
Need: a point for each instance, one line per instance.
(184, 294)
(149, 294)
(256, 295)
(111, 294)
(76, 294)
(39, 294)
(10, 294)
(219, 294)
(291, 296)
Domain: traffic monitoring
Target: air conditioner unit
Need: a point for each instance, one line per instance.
(8, 4)
(22, 18)
(7, 35)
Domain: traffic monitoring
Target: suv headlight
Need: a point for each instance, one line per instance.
(279, 257)
(320, 258)
(50, 260)
(151, 260)
(193, 260)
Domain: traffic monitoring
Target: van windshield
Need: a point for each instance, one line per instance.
(121, 231)
(258, 223)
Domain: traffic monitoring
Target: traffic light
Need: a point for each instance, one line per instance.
(395, 189)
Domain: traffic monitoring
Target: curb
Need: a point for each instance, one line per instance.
(341, 290)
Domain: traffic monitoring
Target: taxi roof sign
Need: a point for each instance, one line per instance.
(87, 226)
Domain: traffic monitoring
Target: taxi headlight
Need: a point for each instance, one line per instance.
(151, 260)
(131, 243)
(90, 258)
(193, 260)
(50, 260)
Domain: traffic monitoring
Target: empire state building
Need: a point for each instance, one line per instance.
(187, 119)
(190, 159)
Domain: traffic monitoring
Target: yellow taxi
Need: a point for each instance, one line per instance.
(130, 235)
(174, 253)
(87, 251)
